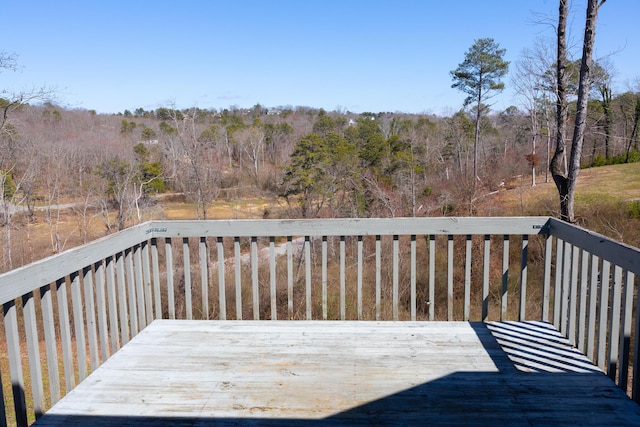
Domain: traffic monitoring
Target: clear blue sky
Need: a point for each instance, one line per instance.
(369, 55)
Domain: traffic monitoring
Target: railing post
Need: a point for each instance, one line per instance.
(15, 364)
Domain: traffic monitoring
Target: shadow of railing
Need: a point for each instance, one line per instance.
(540, 380)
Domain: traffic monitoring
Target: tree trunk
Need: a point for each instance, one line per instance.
(567, 185)
(558, 172)
(476, 140)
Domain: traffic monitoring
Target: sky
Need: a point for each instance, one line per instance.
(349, 55)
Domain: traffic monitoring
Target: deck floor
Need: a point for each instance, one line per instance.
(201, 373)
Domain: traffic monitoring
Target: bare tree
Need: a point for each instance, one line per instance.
(566, 180)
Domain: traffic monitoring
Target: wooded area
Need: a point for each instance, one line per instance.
(111, 167)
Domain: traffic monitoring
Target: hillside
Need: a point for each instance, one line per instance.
(607, 200)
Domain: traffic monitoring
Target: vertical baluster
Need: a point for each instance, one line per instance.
(523, 278)
(51, 346)
(188, 301)
(582, 312)
(15, 363)
(414, 308)
(635, 386)
(3, 409)
(546, 281)
(359, 279)
(222, 297)
(204, 276)
(625, 336)
(557, 284)
(565, 289)
(485, 277)
(450, 278)
(33, 352)
(343, 286)
(573, 294)
(131, 286)
(324, 278)
(467, 279)
(254, 278)
(307, 274)
(614, 325)
(146, 277)
(90, 309)
(593, 303)
(101, 308)
(272, 277)
(140, 285)
(396, 276)
(155, 265)
(378, 277)
(65, 333)
(171, 299)
(505, 278)
(290, 277)
(78, 323)
(603, 315)
(114, 299)
(432, 276)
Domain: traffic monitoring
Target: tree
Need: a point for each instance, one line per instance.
(566, 181)
(479, 76)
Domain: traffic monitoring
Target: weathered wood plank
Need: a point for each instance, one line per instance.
(345, 373)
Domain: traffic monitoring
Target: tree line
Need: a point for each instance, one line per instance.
(322, 163)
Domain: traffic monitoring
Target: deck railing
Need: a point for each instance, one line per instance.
(65, 315)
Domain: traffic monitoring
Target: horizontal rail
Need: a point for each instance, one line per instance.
(87, 302)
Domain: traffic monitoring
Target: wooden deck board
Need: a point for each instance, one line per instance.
(200, 373)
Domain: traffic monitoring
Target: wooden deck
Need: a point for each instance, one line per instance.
(200, 373)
